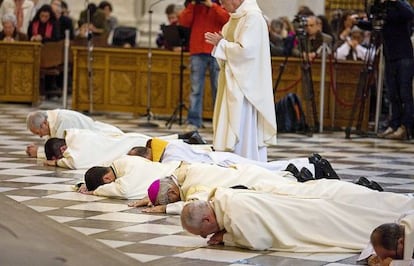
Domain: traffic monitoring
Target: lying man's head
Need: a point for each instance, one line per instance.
(388, 241)
(37, 123)
(141, 151)
(54, 148)
(97, 176)
(198, 218)
(164, 191)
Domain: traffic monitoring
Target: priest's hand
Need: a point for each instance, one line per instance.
(217, 238)
(213, 37)
(156, 209)
(374, 260)
(50, 163)
(82, 188)
(140, 203)
(87, 192)
(31, 150)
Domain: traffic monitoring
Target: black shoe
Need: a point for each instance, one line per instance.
(305, 175)
(363, 181)
(314, 158)
(328, 171)
(196, 139)
(293, 169)
(375, 186)
(186, 135)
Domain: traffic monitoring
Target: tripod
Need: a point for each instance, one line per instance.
(182, 34)
(366, 76)
(307, 83)
(148, 114)
(90, 56)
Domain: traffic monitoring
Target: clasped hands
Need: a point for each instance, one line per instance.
(213, 37)
(31, 150)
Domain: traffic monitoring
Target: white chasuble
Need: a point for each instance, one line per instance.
(259, 221)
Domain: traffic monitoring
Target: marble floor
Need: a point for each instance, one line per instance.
(44, 192)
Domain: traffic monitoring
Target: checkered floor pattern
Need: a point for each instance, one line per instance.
(159, 239)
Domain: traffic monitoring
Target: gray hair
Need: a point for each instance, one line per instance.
(35, 119)
(193, 213)
(9, 17)
(165, 184)
(277, 24)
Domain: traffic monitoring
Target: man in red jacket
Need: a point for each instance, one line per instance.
(201, 16)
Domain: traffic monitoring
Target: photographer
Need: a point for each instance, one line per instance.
(201, 16)
(399, 66)
(352, 48)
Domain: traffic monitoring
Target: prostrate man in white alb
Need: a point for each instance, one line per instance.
(392, 243)
(291, 224)
(161, 150)
(83, 148)
(140, 169)
(127, 177)
(54, 123)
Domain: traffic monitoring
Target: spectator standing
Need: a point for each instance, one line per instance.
(201, 17)
(64, 22)
(97, 24)
(44, 26)
(399, 68)
(111, 21)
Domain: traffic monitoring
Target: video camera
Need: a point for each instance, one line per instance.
(300, 23)
(377, 13)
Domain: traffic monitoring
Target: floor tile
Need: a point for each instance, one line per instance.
(127, 217)
(97, 206)
(153, 228)
(216, 255)
(39, 179)
(178, 241)
(74, 196)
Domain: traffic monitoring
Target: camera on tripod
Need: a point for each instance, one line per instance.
(300, 23)
(377, 13)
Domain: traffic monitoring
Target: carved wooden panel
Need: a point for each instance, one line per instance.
(120, 83)
(21, 76)
(122, 86)
(19, 67)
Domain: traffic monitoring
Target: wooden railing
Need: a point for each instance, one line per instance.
(19, 72)
(120, 83)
